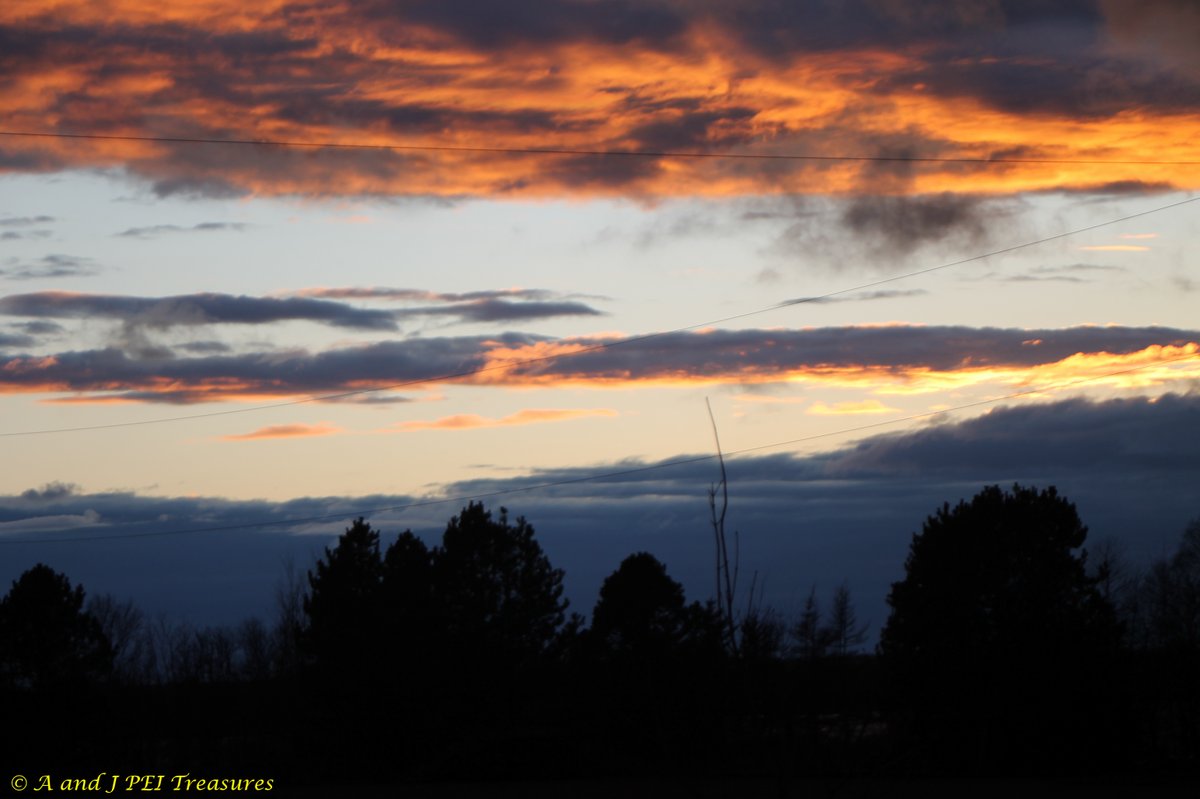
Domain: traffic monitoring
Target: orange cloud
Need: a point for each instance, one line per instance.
(285, 431)
(882, 379)
(1116, 248)
(1156, 366)
(469, 421)
(891, 360)
(352, 74)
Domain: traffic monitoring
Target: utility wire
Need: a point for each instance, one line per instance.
(442, 378)
(591, 478)
(586, 152)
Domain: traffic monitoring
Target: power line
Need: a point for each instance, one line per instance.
(592, 477)
(446, 377)
(913, 159)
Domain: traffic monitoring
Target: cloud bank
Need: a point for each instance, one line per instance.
(889, 359)
(194, 310)
(803, 520)
(971, 80)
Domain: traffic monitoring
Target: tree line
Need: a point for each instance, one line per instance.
(1008, 649)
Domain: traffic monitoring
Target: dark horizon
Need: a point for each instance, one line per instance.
(1006, 651)
(803, 520)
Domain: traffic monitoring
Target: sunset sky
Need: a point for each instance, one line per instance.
(295, 260)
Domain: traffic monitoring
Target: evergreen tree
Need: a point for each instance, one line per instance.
(999, 639)
(810, 635)
(494, 588)
(343, 605)
(1000, 576)
(641, 610)
(47, 640)
(410, 630)
(843, 633)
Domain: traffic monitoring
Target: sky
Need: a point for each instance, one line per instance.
(266, 268)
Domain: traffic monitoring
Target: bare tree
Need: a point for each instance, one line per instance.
(726, 574)
(844, 634)
(289, 619)
(124, 626)
(254, 646)
(1168, 597)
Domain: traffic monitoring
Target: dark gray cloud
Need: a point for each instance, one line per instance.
(29, 333)
(778, 29)
(904, 224)
(501, 310)
(1052, 71)
(17, 228)
(1073, 436)
(193, 310)
(1034, 278)
(1078, 268)
(381, 399)
(731, 355)
(1163, 32)
(196, 186)
(803, 520)
(859, 296)
(1016, 56)
(694, 131)
(24, 235)
(873, 232)
(154, 231)
(499, 305)
(40, 328)
(50, 492)
(1103, 192)
(1068, 273)
(862, 230)
(190, 582)
(25, 221)
(409, 118)
(590, 172)
(15, 340)
(48, 266)
(539, 22)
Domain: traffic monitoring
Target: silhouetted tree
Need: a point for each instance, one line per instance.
(641, 610)
(123, 624)
(761, 635)
(47, 640)
(810, 635)
(654, 685)
(289, 630)
(494, 589)
(1168, 600)
(997, 629)
(844, 634)
(409, 618)
(255, 657)
(1170, 597)
(998, 575)
(343, 605)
